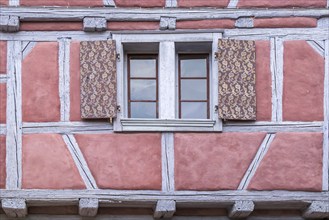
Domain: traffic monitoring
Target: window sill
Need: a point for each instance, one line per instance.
(193, 125)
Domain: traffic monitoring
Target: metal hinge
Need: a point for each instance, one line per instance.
(118, 56)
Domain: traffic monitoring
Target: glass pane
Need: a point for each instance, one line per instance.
(194, 68)
(193, 89)
(142, 89)
(194, 110)
(143, 110)
(143, 68)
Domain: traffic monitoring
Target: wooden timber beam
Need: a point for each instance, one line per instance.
(130, 14)
(88, 207)
(165, 209)
(241, 209)
(14, 208)
(317, 210)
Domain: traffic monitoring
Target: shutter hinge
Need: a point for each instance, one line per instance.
(118, 56)
(216, 55)
(118, 108)
(216, 108)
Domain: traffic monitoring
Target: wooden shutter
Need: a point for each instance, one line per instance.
(237, 79)
(98, 79)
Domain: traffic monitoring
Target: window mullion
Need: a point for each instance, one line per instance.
(167, 78)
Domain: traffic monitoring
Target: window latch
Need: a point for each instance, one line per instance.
(216, 108)
(118, 56)
(216, 55)
(118, 108)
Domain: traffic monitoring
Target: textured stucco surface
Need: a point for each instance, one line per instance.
(213, 161)
(294, 22)
(40, 98)
(51, 26)
(205, 24)
(75, 114)
(202, 3)
(140, 3)
(3, 102)
(303, 75)
(263, 81)
(133, 25)
(84, 3)
(3, 57)
(47, 163)
(2, 161)
(4, 2)
(123, 161)
(293, 162)
(282, 3)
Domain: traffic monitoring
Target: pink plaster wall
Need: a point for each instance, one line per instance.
(84, 3)
(50, 26)
(202, 3)
(2, 161)
(303, 82)
(293, 22)
(3, 57)
(47, 163)
(281, 3)
(75, 114)
(3, 102)
(140, 3)
(205, 24)
(293, 162)
(123, 161)
(263, 81)
(4, 2)
(133, 25)
(213, 161)
(40, 98)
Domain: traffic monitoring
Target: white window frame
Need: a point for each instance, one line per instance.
(168, 120)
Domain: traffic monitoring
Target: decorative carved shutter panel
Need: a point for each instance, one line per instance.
(237, 79)
(98, 79)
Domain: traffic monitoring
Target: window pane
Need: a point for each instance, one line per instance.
(196, 110)
(143, 110)
(193, 89)
(142, 68)
(142, 89)
(194, 68)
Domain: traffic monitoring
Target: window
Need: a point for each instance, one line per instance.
(193, 89)
(168, 81)
(142, 86)
(165, 82)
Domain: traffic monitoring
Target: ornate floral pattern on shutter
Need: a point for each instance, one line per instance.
(98, 79)
(237, 79)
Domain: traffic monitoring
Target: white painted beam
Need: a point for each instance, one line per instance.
(241, 209)
(167, 159)
(165, 209)
(325, 163)
(109, 3)
(244, 22)
(9, 23)
(14, 208)
(80, 161)
(256, 161)
(171, 3)
(14, 117)
(124, 14)
(317, 210)
(233, 4)
(88, 207)
(167, 23)
(92, 24)
(167, 79)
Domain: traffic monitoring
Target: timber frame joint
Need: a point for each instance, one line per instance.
(94, 24)
(9, 23)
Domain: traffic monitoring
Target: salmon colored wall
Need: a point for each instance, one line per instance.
(202, 3)
(75, 114)
(3, 57)
(214, 161)
(303, 85)
(133, 25)
(293, 162)
(2, 161)
(3, 102)
(293, 22)
(4, 2)
(40, 99)
(47, 163)
(205, 24)
(84, 3)
(282, 3)
(140, 3)
(263, 81)
(123, 161)
(50, 26)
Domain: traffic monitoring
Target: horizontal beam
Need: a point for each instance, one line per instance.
(272, 127)
(140, 198)
(119, 14)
